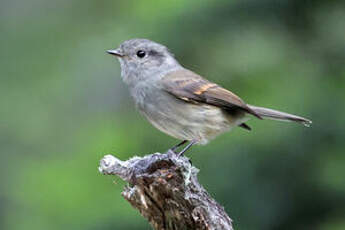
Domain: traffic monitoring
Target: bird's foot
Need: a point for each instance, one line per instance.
(174, 148)
(179, 154)
(186, 148)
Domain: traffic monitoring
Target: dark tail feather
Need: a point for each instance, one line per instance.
(245, 126)
(277, 115)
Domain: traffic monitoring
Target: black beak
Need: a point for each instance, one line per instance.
(116, 53)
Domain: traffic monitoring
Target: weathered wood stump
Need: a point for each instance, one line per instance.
(165, 190)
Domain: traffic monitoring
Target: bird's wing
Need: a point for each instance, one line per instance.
(188, 86)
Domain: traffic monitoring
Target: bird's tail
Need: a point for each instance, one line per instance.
(277, 115)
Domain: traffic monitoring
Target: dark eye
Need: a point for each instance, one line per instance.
(141, 53)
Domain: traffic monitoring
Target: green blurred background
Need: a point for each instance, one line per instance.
(64, 106)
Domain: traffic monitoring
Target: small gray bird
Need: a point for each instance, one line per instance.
(178, 101)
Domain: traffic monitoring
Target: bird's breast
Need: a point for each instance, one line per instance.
(180, 119)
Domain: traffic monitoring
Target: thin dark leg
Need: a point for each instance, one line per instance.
(178, 145)
(186, 148)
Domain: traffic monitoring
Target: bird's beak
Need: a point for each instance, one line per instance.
(115, 53)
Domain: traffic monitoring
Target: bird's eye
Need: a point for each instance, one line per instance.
(141, 53)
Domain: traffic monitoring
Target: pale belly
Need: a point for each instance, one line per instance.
(186, 121)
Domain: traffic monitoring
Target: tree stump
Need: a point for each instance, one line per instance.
(165, 190)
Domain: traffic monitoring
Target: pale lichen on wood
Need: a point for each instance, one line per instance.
(165, 190)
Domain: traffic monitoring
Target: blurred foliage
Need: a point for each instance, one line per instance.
(64, 106)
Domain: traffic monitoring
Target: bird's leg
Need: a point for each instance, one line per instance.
(178, 145)
(187, 147)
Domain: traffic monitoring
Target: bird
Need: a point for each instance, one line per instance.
(180, 102)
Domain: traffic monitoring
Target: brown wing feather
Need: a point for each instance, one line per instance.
(189, 86)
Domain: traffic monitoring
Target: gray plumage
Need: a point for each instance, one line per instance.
(179, 102)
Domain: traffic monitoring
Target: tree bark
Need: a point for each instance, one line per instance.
(165, 190)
